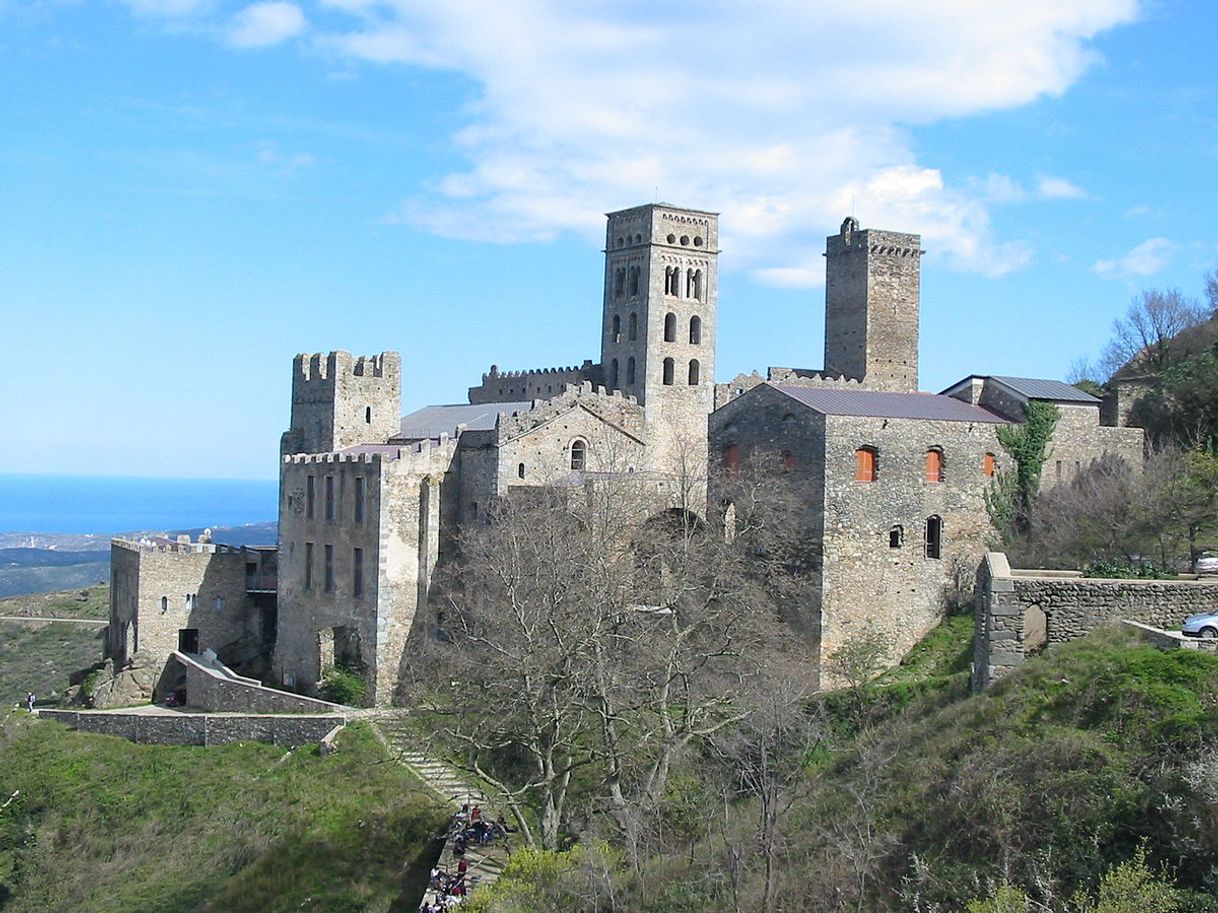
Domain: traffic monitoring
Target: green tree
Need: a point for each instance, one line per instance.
(1010, 501)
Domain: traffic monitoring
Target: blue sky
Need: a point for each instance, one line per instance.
(192, 191)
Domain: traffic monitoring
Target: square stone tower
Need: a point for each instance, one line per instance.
(872, 282)
(658, 331)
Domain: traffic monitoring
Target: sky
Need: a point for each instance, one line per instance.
(192, 191)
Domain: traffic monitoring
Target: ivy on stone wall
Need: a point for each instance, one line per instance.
(1009, 502)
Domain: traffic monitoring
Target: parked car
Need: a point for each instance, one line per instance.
(1205, 625)
(1207, 563)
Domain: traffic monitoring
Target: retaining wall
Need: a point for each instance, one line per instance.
(200, 728)
(1018, 612)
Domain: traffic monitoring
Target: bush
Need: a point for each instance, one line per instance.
(342, 687)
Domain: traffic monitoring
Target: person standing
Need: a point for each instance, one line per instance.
(29, 701)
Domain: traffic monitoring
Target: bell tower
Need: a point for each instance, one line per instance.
(658, 330)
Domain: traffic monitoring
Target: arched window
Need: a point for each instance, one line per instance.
(669, 368)
(695, 372)
(670, 327)
(520, 471)
(866, 464)
(617, 328)
(634, 326)
(788, 461)
(896, 537)
(164, 604)
(579, 454)
(693, 284)
(731, 459)
(672, 280)
(619, 283)
(934, 537)
(695, 331)
(634, 281)
(989, 465)
(934, 465)
(630, 371)
(613, 374)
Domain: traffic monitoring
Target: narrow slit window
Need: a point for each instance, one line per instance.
(360, 489)
(670, 368)
(934, 537)
(634, 326)
(613, 374)
(731, 458)
(308, 565)
(989, 465)
(695, 331)
(630, 371)
(329, 568)
(520, 471)
(357, 572)
(670, 327)
(695, 372)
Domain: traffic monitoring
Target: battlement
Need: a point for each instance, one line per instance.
(181, 545)
(496, 374)
(377, 454)
(613, 406)
(852, 239)
(318, 366)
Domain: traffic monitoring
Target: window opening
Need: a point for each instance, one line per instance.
(669, 369)
(695, 331)
(731, 458)
(357, 572)
(934, 537)
(989, 466)
(788, 461)
(520, 471)
(693, 284)
(695, 371)
(360, 484)
(865, 464)
(329, 497)
(630, 371)
(934, 465)
(613, 373)
(634, 281)
(896, 536)
(634, 326)
(329, 568)
(672, 281)
(579, 454)
(670, 327)
(308, 565)
(619, 283)
(309, 497)
(617, 328)
(367, 415)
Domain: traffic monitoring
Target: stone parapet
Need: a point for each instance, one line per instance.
(290, 731)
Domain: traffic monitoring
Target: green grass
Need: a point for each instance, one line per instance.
(40, 657)
(101, 823)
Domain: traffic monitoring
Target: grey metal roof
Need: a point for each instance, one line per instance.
(432, 421)
(853, 401)
(1036, 388)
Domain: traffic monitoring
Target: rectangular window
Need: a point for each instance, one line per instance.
(308, 565)
(357, 573)
(309, 493)
(329, 497)
(359, 499)
(864, 465)
(329, 568)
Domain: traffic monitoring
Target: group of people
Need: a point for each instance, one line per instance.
(469, 827)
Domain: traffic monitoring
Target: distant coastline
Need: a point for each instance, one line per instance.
(103, 506)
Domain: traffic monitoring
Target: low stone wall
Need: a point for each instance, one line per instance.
(215, 691)
(1017, 612)
(199, 728)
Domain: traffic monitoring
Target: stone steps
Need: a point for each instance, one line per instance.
(451, 787)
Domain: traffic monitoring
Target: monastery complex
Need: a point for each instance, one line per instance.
(890, 480)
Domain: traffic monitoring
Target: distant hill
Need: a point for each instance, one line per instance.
(49, 562)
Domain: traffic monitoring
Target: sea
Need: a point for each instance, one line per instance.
(107, 505)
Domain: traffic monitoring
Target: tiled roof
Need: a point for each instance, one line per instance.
(432, 421)
(1035, 388)
(838, 401)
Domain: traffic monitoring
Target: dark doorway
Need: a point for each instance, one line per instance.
(188, 640)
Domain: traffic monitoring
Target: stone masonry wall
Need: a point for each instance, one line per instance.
(216, 692)
(1017, 612)
(200, 728)
(1079, 438)
(902, 591)
(514, 386)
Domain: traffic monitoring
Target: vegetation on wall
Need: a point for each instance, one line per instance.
(1010, 500)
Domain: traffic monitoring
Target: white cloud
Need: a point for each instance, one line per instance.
(261, 25)
(1144, 260)
(170, 9)
(782, 114)
(1051, 188)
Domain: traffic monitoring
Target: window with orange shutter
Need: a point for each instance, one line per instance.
(864, 464)
(934, 466)
(989, 466)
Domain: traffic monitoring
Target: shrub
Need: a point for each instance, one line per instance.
(342, 687)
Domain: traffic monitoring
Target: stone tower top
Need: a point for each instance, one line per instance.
(871, 306)
(339, 400)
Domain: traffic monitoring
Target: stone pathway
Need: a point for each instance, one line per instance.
(485, 862)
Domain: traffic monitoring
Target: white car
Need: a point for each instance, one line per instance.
(1207, 563)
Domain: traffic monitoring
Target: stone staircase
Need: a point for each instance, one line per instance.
(448, 784)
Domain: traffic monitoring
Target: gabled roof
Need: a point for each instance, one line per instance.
(879, 404)
(1056, 391)
(432, 421)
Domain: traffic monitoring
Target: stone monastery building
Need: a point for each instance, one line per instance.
(890, 479)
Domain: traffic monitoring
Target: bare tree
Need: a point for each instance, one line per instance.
(1142, 339)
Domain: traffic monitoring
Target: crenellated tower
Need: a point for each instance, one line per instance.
(872, 283)
(339, 400)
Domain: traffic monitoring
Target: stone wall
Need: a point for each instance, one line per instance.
(199, 728)
(1019, 612)
(339, 400)
(162, 588)
(216, 691)
(514, 386)
(1079, 438)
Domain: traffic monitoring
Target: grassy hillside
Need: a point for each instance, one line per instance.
(39, 657)
(1093, 766)
(103, 824)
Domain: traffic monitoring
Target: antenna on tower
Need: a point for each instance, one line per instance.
(657, 199)
(852, 206)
